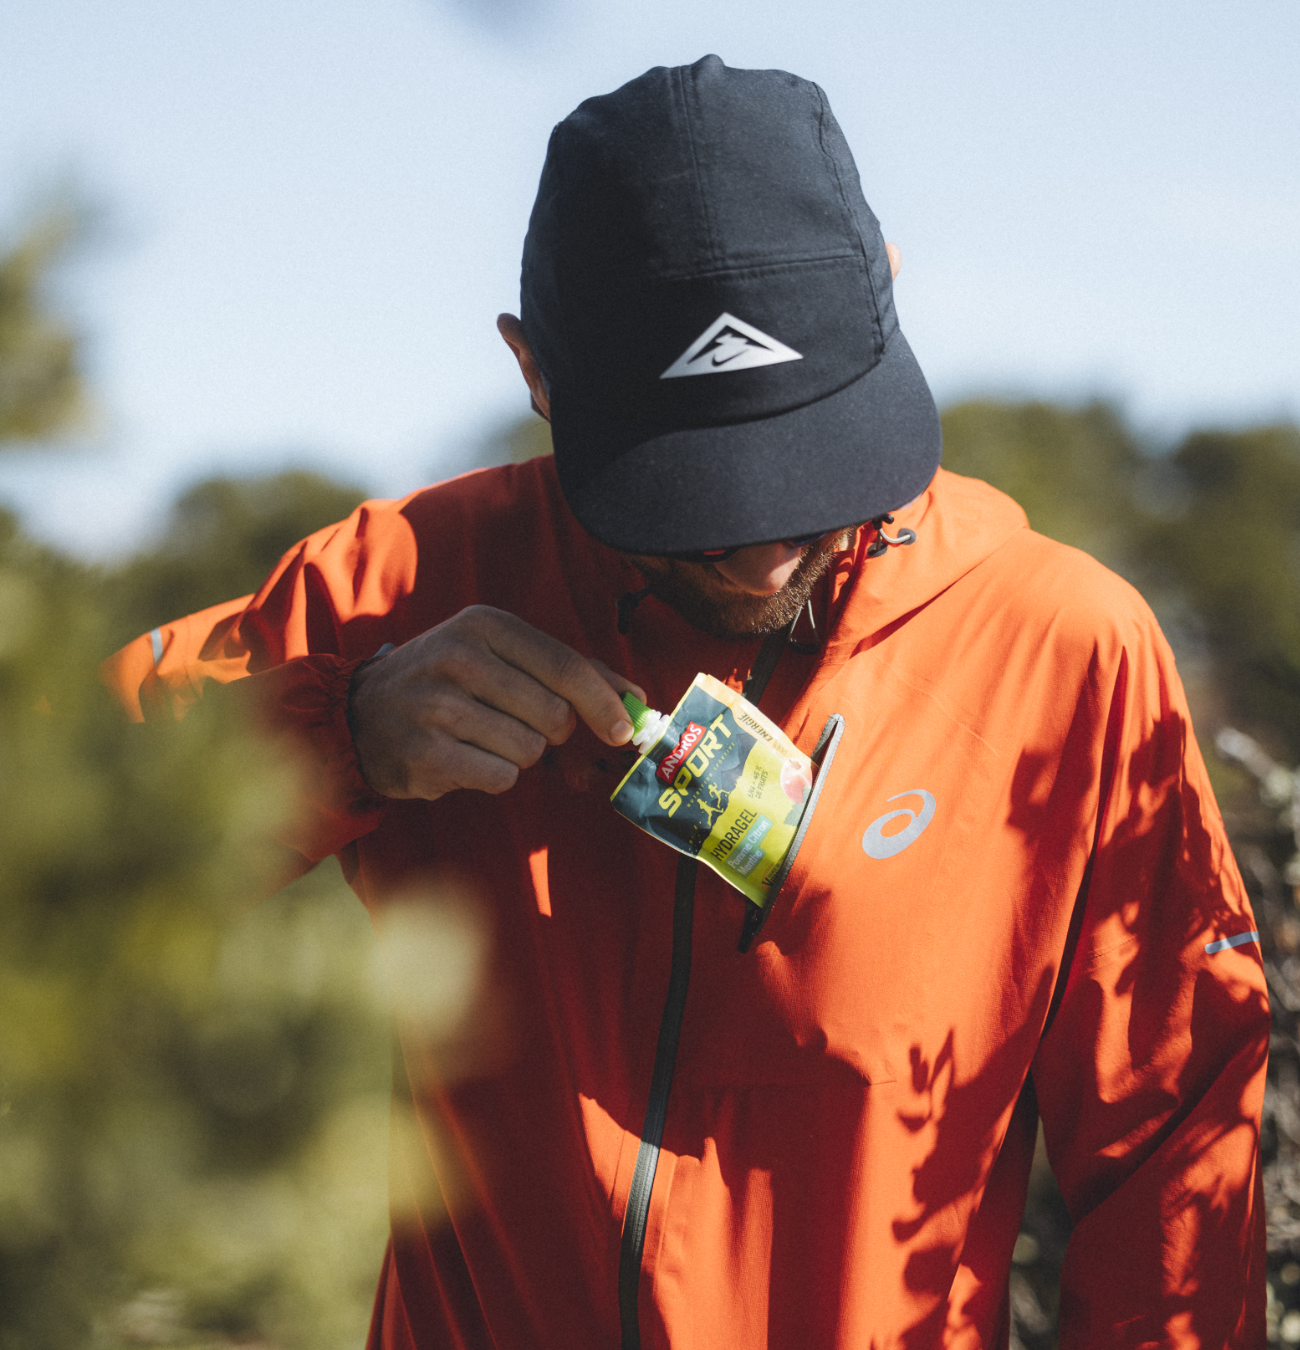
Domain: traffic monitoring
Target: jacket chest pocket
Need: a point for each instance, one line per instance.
(761, 1014)
(898, 909)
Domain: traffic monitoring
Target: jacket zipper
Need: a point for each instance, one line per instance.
(670, 1023)
(661, 1081)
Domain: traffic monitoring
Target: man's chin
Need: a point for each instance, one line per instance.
(718, 608)
(737, 619)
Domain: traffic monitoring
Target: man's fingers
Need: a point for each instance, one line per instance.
(562, 670)
(620, 684)
(509, 690)
(500, 733)
(472, 701)
(444, 764)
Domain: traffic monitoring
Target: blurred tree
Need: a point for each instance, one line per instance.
(223, 539)
(513, 442)
(1072, 469)
(1224, 529)
(525, 439)
(41, 389)
(193, 1099)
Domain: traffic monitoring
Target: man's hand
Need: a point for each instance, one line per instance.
(474, 700)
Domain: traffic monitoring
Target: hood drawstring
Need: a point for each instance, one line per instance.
(806, 648)
(625, 604)
(883, 541)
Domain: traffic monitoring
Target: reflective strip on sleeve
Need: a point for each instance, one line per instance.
(1224, 943)
(155, 641)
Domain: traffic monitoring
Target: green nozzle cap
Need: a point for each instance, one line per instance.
(637, 711)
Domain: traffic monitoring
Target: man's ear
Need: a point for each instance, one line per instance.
(513, 331)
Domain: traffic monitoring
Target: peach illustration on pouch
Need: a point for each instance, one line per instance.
(795, 780)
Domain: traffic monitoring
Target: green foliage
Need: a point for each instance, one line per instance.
(1072, 470)
(223, 539)
(193, 1099)
(526, 440)
(41, 390)
(1227, 533)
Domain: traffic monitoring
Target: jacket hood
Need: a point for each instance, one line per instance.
(958, 523)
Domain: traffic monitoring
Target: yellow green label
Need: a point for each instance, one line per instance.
(724, 784)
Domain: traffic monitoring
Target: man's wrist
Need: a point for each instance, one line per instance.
(350, 708)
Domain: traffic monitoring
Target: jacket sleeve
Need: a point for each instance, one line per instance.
(1150, 1078)
(286, 656)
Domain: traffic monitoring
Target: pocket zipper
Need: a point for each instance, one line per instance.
(827, 743)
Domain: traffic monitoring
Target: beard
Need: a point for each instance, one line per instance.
(719, 608)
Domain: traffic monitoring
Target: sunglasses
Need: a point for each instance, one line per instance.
(716, 555)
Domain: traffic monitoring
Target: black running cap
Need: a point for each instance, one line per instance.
(709, 298)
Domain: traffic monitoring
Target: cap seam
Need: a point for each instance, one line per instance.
(823, 109)
(700, 196)
(562, 131)
(735, 269)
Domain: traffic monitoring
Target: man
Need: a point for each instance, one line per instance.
(687, 1123)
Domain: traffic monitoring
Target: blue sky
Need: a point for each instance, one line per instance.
(313, 211)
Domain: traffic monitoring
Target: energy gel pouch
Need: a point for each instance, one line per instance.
(720, 782)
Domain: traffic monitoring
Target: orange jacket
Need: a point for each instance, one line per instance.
(852, 1115)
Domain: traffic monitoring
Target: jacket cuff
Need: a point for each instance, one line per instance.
(306, 701)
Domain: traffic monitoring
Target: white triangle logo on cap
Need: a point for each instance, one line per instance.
(727, 344)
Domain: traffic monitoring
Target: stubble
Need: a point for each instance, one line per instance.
(719, 608)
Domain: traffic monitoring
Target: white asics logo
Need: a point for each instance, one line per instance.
(877, 844)
(729, 343)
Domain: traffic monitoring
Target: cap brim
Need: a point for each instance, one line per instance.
(856, 454)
